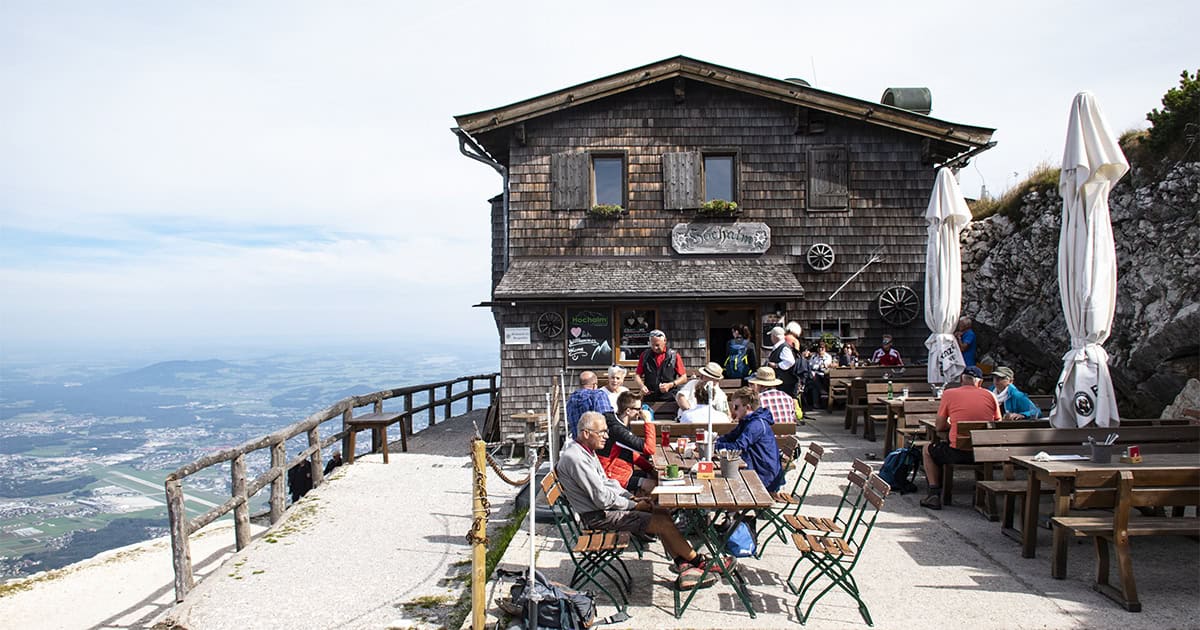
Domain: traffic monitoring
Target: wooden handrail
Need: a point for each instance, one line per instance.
(276, 476)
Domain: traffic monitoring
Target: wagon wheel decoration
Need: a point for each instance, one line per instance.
(550, 325)
(899, 305)
(820, 257)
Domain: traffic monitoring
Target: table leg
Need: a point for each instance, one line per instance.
(889, 438)
(1062, 506)
(1029, 528)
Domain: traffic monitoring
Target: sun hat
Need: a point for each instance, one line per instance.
(1003, 372)
(764, 376)
(973, 371)
(712, 370)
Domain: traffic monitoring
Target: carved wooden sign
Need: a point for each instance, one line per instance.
(721, 238)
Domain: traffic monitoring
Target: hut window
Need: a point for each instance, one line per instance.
(718, 177)
(608, 180)
(827, 178)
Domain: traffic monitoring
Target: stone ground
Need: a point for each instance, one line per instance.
(384, 547)
(931, 569)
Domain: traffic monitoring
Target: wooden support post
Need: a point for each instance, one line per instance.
(241, 511)
(314, 460)
(181, 551)
(479, 538)
(470, 395)
(449, 400)
(429, 396)
(279, 483)
(348, 440)
(379, 406)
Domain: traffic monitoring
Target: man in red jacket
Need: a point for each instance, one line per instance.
(623, 452)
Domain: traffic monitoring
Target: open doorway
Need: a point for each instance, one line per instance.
(721, 320)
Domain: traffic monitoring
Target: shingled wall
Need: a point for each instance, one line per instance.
(889, 189)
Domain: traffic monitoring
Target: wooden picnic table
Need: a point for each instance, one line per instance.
(895, 412)
(1062, 474)
(378, 423)
(735, 496)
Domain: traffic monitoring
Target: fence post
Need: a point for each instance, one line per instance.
(318, 473)
(449, 397)
(241, 511)
(181, 551)
(479, 537)
(279, 483)
(470, 394)
(346, 416)
(430, 393)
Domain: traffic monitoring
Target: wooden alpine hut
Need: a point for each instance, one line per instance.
(617, 216)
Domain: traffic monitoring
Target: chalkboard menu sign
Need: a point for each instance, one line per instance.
(589, 337)
(636, 325)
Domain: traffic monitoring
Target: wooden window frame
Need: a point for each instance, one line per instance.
(621, 155)
(811, 201)
(618, 319)
(734, 172)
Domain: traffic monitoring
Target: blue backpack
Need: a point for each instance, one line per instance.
(900, 468)
(737, 365)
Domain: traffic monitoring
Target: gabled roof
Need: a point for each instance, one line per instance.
(638, 279)
(966, 136)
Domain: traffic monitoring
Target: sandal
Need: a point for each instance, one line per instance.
(690, 579)
(932, 502)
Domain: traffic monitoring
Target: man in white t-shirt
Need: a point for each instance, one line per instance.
(711, 373)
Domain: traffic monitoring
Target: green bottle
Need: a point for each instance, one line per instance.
(889, 390)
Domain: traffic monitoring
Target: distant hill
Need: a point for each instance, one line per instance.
(163, 374)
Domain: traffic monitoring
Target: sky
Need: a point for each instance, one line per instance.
(195, 177)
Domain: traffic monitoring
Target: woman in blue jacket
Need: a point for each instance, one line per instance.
(1014, 404)
(754, 437)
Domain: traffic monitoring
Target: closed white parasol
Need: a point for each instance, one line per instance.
(1087, 267)
(947, 215)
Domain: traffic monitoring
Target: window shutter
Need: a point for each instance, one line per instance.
(828, 172)
(682, 180)
(569, 181)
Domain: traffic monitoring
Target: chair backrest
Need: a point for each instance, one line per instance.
(1102, 488)
(852, 496)
(808, 472)
(875, 491)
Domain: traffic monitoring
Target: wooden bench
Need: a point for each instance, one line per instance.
(688, 429)
(908, 424)
(1133, 489)
(997, 444)
(872, 414)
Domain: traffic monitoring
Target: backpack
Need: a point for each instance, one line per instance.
(558, 607)
(737, 365)
(741, 543)
(900, 468)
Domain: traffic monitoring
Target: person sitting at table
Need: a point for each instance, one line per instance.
(847, 357)
(754, 437)
(966, 403)
(701, 412)
(603, 504)
(710, 373)
(624, 451)
(586, 398)
(615, 384)
(781, 406)
(886, 355)
(1014, 404)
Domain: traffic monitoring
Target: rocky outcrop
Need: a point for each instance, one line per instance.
(1010, 285)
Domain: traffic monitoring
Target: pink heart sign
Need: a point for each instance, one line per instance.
(576, 331)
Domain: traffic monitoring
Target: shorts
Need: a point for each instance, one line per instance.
(616, 520)
(942, 454)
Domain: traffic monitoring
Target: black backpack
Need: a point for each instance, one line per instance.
(558, 607)
(899, 469)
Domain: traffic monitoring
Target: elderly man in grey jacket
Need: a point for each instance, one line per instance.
(603, 504)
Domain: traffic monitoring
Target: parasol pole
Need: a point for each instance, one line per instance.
(708, 435)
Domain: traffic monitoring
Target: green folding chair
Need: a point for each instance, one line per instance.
(593, 552)
(772, 519)
(836, 525)
(834, 557)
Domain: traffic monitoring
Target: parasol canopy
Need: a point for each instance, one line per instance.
(947, 215)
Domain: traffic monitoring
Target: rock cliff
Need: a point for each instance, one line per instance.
(1010, 285)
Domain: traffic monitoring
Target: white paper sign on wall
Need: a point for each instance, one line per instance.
(517, 336)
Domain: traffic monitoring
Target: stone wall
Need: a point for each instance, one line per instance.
(1010, 285)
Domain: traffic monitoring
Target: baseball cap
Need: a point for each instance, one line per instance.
(973, 371)
(1002, 372)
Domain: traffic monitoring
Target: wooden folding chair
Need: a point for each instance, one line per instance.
(791, 501)
(852, 498)
(593, 552)
(834, 557)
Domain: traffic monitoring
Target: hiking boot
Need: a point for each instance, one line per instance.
(932, 502)
(692, 578)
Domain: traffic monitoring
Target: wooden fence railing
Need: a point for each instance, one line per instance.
(276, 476)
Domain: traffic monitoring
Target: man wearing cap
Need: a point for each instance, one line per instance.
(887, 355)
(586, 398)
(967, 403)
(1014, 404)
(709, 374)
(781, 406)
(782, 360)
(660, 371)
